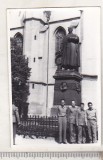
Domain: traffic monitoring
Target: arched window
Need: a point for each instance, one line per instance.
(19, 39)
(59, 35)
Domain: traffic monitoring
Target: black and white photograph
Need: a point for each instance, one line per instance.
(54, 57)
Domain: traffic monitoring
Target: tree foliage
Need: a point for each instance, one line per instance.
(20, 76)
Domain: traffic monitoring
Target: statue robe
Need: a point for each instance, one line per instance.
(70, 51)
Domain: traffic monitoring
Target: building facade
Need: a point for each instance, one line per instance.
(41, 41)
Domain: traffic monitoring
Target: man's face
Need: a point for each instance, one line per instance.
(90, 106)
(82, 106)
(62, 102)
(73, 103)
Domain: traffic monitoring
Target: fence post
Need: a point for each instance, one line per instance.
(39, 126)
(29, 131)
(46, 130)
(49, 126)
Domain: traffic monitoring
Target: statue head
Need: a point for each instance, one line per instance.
(70, 29)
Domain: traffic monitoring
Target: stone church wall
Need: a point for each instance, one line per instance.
(36, 49)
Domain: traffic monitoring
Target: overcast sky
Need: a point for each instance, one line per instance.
(16, 16)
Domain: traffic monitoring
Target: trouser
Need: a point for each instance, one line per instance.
(72, 129)
(81, 134)
(92, 130)
(14, 132)
(62, 129)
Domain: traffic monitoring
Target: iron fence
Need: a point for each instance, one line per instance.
(44, 126)
(39, 126)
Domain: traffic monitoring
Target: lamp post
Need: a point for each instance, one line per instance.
(47, 15)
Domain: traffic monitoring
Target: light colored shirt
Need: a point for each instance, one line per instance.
(81, 117)
(91, 114)
(72, 115)
(62, 111)
(15, 114)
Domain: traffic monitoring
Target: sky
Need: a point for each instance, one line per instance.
(16, 16)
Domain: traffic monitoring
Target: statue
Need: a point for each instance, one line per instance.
(67, 78)
(70, 58)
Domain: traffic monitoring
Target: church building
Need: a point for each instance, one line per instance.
(42, 31)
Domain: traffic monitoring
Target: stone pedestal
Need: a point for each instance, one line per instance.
(67, 87)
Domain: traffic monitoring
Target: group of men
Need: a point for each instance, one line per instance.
(77, 120)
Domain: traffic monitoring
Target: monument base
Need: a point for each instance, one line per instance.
(67, 87)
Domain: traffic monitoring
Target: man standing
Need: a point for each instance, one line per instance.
(91, 116)
(16, 121)
(72, 119)
(81, 122)
(62, 119)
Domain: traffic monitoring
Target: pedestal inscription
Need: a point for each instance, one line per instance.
(68, 87)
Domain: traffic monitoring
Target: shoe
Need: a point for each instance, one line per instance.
(65, 142)
(60, 142)
(79, 143)
(90, 142)
(73, 142)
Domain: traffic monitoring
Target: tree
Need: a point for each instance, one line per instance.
(20, 76)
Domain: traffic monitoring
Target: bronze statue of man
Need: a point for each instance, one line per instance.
(70, 51)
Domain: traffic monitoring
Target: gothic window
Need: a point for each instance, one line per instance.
(19, 39)
(59, 34)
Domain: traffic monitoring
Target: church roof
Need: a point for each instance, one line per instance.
(18, 16)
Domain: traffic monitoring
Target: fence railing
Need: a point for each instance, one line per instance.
(39, 126)
(43, 127)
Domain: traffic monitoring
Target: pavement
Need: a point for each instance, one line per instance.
(20, 140)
